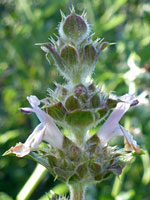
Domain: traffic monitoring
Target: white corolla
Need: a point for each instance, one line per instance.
(46, 130)
(112, 128)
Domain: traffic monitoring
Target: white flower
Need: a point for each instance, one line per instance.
(46, 130)
(111, 127)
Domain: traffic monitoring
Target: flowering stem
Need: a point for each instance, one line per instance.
(77, 192)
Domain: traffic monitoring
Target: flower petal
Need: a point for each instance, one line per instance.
(20, 150)
(52, 134)
(32, 142)
(107, 132)
(36, 137)
(130, 142)
(33, 100)
(128, 98)
(111, 127)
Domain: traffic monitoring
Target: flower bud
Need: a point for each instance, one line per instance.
(74, 28)
(95, 101)
(89, 54)
(81, 92)
(69, 55)
(72, 103)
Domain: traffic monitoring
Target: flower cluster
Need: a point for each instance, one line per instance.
(78, 106)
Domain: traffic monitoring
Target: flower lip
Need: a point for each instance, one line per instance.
(134, 102)
(22, 149)
(46, 130)
(17, 150)
(130, 142)
(26, 110)
(33, 100)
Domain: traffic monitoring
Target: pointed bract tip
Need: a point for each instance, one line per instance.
(42, 44)
(62, 15)
(46, 50)
(72, 10)
(6, 153)
(38, 44)
(106, 44)
(84, 13)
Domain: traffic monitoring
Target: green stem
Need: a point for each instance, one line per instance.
(77, 192)
(79, 137)
(32, 182)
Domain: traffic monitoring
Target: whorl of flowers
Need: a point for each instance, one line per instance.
(78, 106)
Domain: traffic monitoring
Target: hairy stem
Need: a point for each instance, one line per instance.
(77, 192)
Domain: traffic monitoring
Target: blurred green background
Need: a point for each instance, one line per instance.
(24, 71)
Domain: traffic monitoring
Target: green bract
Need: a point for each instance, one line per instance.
(79, 108)
(75, 53)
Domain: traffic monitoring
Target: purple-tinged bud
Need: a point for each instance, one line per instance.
(74, 28)
(74, 153)
(89, 54)
(92, 87)
(80, 91)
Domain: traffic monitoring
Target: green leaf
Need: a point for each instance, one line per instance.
(39, 159)
(32, 156)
